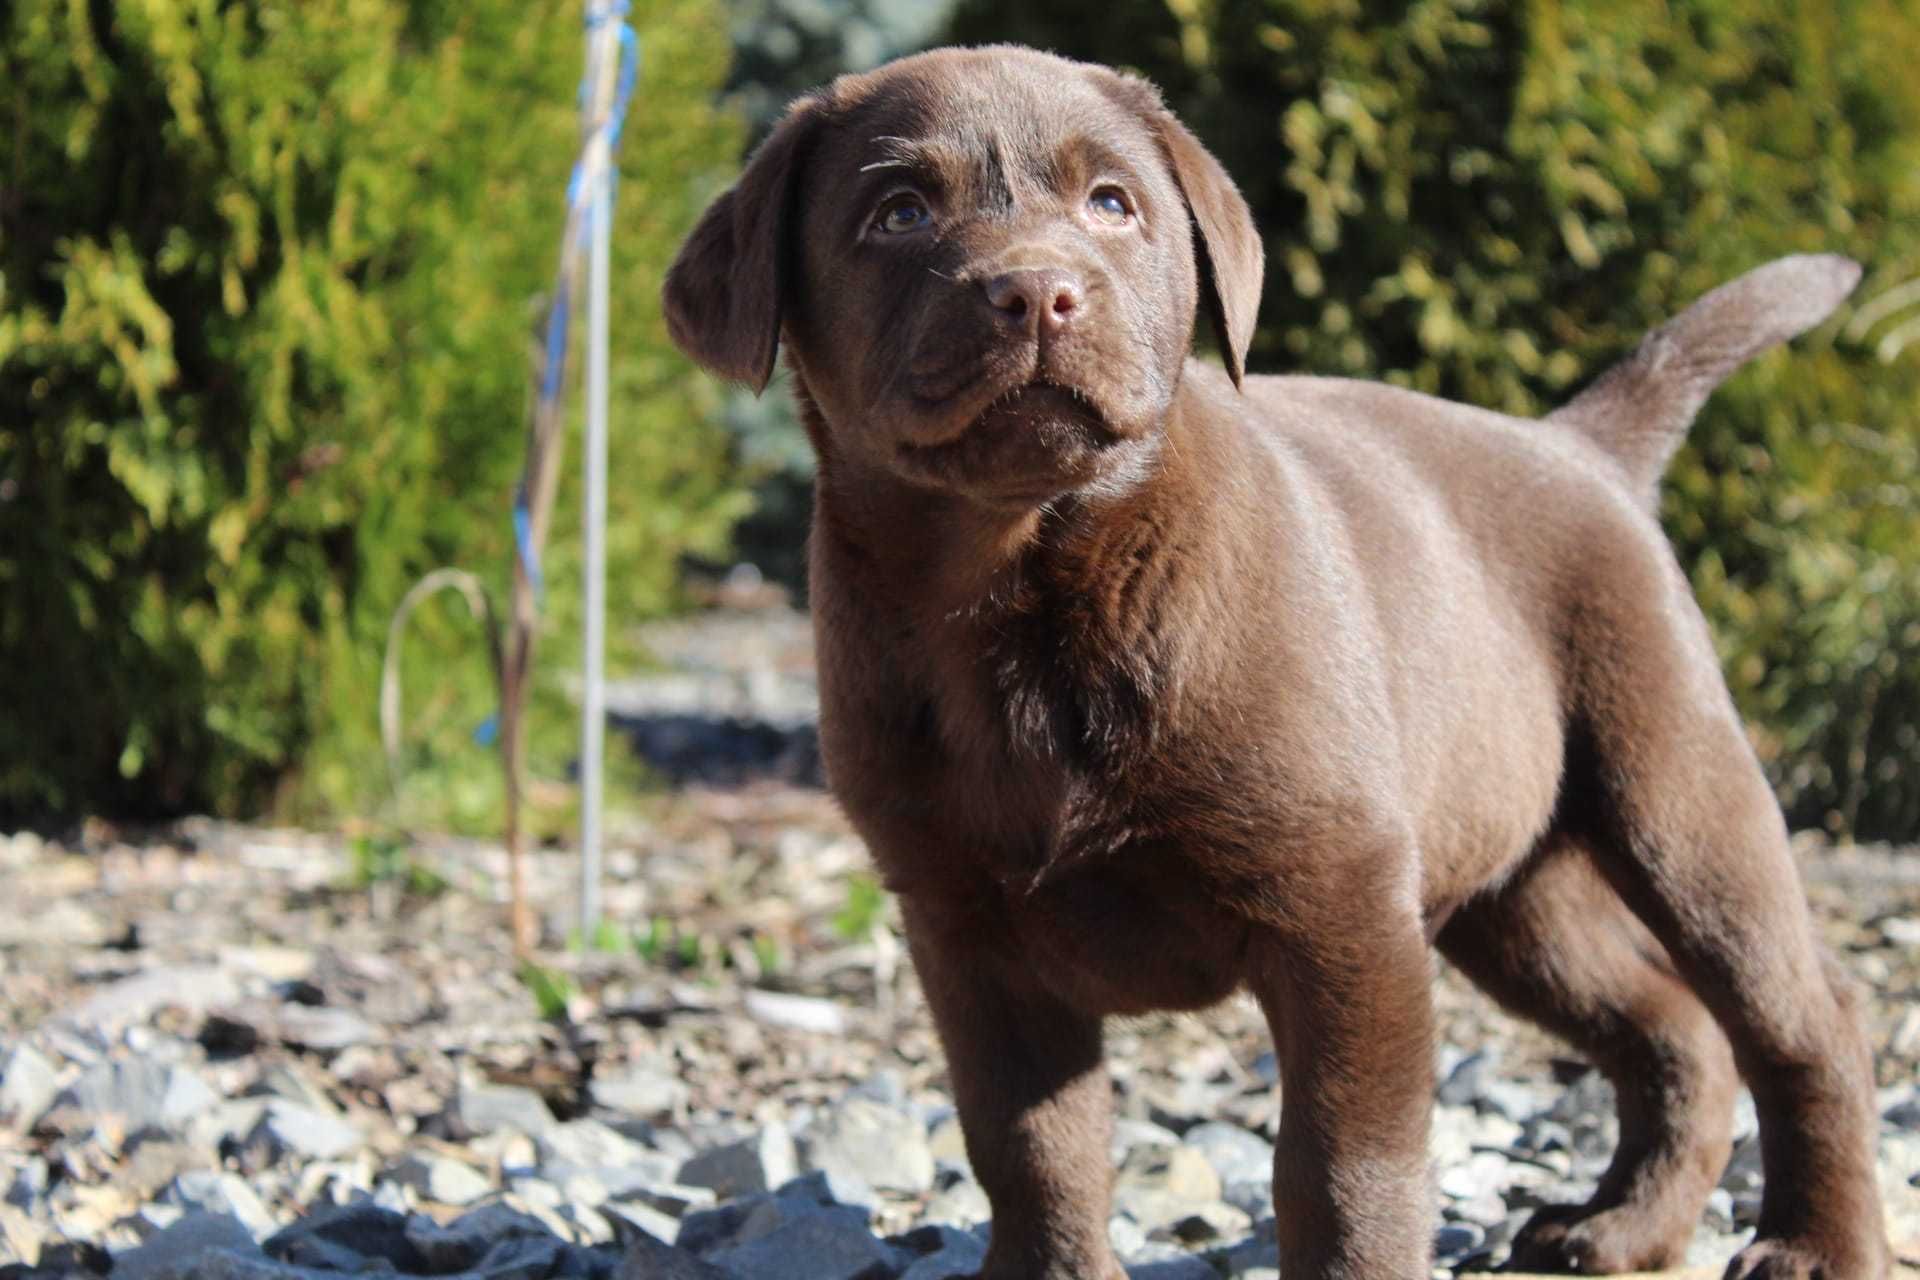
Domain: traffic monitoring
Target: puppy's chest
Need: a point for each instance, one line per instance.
(1049, 743)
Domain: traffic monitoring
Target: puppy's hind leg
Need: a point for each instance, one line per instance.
(1695, 843)
(1556, 945)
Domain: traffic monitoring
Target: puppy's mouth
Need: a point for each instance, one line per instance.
(1035, 410)
(1025, 445)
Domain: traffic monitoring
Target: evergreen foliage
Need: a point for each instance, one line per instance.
(269, 273)
(1492, 199)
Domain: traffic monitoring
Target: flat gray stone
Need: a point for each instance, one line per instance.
(796, 1013)
(1235, 1154)
(21, 1238)
(325, 1029)
(964, 1204)
(176, 1251)
(1483, 1173)
(487, 1108)
(28, 1086)
(639, 1091)
(134, 999)
(442, 1179)
(1129, 1133)
(586, 1144)
(146, 1094)
(877, 1144)
(290, 1128)
(671, 1198)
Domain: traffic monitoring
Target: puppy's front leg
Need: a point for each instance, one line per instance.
(1348, 999)
(1030, 1078)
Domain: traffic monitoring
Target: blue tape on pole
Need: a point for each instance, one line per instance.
(523, 539)
(579, 214)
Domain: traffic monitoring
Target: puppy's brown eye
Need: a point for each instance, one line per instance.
(903, 214)
(1109, 205)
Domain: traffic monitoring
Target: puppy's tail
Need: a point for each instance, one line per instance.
(1640, 409)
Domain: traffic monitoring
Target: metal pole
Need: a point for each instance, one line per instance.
(593, 712)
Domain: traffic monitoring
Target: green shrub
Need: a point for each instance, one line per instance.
(268, 287)
(1491, 200)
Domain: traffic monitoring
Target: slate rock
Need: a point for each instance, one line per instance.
(214, 1191)
(705, 1230)
(586, 1144)
(468, 1240)
(1465, 1084)
(760, 1162)
(816, 1246)
(1185, 1268)
(1235, 1154)
(1250, 1198)
(828, 1187)
(942, 1253)
(521, 1257)
(651, 1259)
(1456, 1239)
(671, 1198)
(739, 1222)
(346, 1238)
(631, 1219)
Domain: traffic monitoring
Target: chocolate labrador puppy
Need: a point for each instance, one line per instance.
(1149, 681)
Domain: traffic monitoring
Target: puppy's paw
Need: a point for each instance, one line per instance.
(1577, 1240)
(1822, 1257)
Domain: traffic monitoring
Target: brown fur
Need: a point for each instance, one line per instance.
(1147, 683)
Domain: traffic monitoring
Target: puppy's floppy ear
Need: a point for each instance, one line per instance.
(724, 293)
(1230, 257)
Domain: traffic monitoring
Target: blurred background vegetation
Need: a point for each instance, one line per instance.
(269, 273)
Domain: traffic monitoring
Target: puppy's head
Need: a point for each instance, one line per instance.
(985, 263)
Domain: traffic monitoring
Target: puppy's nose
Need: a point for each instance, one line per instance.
(1041, 299)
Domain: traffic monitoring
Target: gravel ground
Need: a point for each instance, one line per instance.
(223, 1053)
